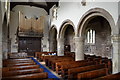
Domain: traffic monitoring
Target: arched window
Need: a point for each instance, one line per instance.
(91, 36)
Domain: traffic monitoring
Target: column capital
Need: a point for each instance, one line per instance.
(116, 38)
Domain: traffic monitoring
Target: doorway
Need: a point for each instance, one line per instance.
(29, 45)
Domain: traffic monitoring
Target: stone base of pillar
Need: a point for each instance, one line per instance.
(78, 59)
(60, 55)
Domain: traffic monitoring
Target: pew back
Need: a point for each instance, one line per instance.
(43, 75)
(21, 72)
(20, 68)
(92, 74)
(72, 73)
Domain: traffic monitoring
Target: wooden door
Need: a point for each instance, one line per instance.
(29, 45)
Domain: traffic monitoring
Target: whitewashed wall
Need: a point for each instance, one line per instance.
(74, 11)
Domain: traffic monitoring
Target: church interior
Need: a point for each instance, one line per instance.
(59, 39)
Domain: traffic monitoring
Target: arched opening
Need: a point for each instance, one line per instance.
(69, 45)
(5, 36)
(98, 37)
(53, 39)
(103, 35)
(66, 39)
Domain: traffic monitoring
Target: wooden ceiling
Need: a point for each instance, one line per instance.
(45, 5)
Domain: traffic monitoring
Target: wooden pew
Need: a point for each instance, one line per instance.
(55, 58)
(18, 59)
(70, 54)
(110, 77)
(10, 61)
(46, 56)
(72, 73)
(5, 63)
(36, 54)
(52, 62)
(61, 60)
(109, 64)
(47, 60)
(19, 64)
(92, 74)
(64, 68)
(20, 68)
(59, 64)
(43, 75)
(21, 72)
(39, 56)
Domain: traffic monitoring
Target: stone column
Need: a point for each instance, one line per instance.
(79, 48)
(5, 39)
(5, 49)
(0, 46)
(45, 44)
(52, 45)
(116, 54)
(60, 47)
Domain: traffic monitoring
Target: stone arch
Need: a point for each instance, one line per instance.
(64, 36)
(63, 27)
(52, 28)
(91, 14)
(53, 38)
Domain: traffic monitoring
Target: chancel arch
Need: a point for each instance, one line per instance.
(66, 38)
(53, 39)
(98, 25)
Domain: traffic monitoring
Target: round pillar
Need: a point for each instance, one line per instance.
(60, 47)
(116, 54)
(79, 48)
(52, 45)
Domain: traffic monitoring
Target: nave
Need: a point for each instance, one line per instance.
(73, 39)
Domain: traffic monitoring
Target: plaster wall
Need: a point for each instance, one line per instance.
(74, 11)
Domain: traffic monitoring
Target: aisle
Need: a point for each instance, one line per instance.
(50, 74)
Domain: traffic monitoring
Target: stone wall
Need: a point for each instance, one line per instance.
(102, 46)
